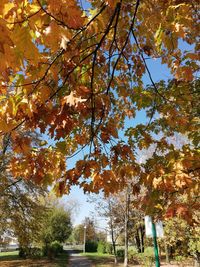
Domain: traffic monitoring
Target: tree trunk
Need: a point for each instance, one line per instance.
(159, 250)
(126, 221)
(171, 252)
(112, 233)
(114, 248)
(137, 240)
(126, 243)
(166, 253)
(141, 235)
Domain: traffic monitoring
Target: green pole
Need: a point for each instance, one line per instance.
(155, 244)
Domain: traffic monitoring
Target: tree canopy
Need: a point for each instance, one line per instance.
(76, 74)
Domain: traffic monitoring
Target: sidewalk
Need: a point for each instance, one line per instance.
(76, 260)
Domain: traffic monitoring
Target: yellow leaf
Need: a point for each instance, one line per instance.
(7, 8)
(5, 127)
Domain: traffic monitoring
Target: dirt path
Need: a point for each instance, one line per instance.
(76, 260)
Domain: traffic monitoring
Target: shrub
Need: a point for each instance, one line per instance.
(91, 246)
(132, 256)
(52, 250)
(56, 248)
(22, 252)
(33, 252)
(149, 251)
(101, 247)
(109, 248)
(120, 253)
(180, 258)
(142, 259)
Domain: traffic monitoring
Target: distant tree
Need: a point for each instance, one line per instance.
(101, 234)
(57, 225)
(91, 233)
(77, 235)
(125, 219)
(108, 208)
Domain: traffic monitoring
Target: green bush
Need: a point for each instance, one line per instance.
(91, 246)
(34, 252)
(132, 256)
(52, 250)
(109, 248)
(120, 253)
(142, 259)
(56, 248)
(180, 258)
(149, 251)
(101, 248)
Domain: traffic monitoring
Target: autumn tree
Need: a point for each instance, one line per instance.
(91, 233)
(78, 234)
(76, 74)
(21, 209)
(108, 208)
(172, 169)
(182, 238)
(22, 212)
(125, 220)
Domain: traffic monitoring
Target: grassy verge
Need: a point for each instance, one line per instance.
(11, 259)
(145, 259)
(98, 258)
(102, 260)
(7, 256)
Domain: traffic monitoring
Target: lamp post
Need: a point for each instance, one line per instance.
(84, 239)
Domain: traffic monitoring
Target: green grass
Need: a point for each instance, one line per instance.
(95, 254)
(142, 259)
(11, 255)
(145, 259)
(14, 259)
(99, 258)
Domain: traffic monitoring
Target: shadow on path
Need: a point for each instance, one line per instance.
(77, 260)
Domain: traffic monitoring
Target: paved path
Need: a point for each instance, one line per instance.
(77, 260)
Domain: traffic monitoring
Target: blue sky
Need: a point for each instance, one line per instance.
(158, 72)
